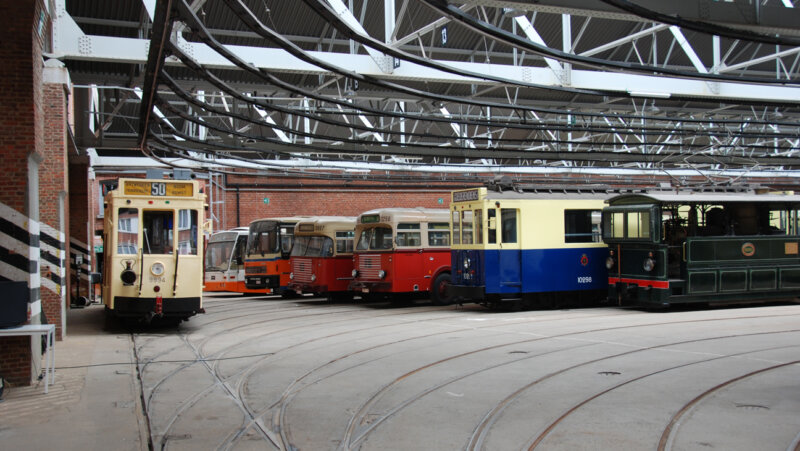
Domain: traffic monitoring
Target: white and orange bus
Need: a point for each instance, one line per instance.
(402, 253)
(322, 256)
(266, 260)
(224, 269)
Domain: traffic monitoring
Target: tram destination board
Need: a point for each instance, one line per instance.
(165, 189)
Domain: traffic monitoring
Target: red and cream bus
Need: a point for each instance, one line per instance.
(402, 253)
(322, 256)
(266, 261)
(224, 269)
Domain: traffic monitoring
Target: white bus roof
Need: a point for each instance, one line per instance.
(399, 214)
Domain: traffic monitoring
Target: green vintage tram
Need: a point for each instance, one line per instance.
(702, 247)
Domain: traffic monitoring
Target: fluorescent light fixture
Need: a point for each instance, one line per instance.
(658, 95)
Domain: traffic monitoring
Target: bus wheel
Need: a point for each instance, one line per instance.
(439, 289)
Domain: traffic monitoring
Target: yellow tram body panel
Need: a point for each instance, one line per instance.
(153, 262)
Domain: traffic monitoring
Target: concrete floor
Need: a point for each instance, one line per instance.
(269, 373)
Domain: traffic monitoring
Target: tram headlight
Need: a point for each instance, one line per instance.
(467, 262)
(157, 269)
(127, 275)
(610, 262)
(649, 263)
(381, 274)
(354, 273)
(313, 277)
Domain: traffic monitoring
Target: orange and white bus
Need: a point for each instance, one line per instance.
(322, 256)
(266, 260)
(225, 262)
(402, 253)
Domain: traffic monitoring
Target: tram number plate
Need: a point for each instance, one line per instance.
(157, 279)
(585, 279)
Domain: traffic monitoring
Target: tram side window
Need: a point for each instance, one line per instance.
(157, 231)
(344, 242)
(128, 231)
(408, 234)
(438, 234)
(579, 226)
(508, 224)
(466, 227)
(187, 232)
(456, 228)
(478, 226)
(491, 216)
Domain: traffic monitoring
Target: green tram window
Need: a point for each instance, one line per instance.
(628, 224)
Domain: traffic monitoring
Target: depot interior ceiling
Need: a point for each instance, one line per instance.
(431, 85)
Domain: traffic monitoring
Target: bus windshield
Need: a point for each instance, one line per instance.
(312, 246)
(218, 255)
(263, 238)
(375, 238)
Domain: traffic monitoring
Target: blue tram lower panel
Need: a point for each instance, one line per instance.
(501, 271)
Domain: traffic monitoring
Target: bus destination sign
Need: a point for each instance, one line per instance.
(370, 219)
(167, 189)
(465, 196)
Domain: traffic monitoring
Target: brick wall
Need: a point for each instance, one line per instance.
(52, 188)
(21, 134)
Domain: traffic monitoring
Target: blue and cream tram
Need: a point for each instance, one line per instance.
(702, 247)
(527, 249)
(153, 261)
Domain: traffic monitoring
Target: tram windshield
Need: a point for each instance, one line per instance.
(157, 229)
(375, 238)
(312, 246)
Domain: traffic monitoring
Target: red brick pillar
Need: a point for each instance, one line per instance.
(53, 202)
(23, 34)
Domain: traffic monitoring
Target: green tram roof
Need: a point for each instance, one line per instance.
(701, 197)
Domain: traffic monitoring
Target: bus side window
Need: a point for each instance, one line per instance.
(438, 234)
(491, 216)
(508, 220)
(408, 234)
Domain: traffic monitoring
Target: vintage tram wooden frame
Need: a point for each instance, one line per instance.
(702, 247)
(153, 242)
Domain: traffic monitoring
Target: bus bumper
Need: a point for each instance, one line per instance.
(262, 282)
(301, 287)
(370, 287)
(125, 307)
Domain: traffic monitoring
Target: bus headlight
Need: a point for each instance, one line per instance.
(291, 276)
(313, 277)
(381, 274)
(354, 273)
(610, 262)
(649, 264)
